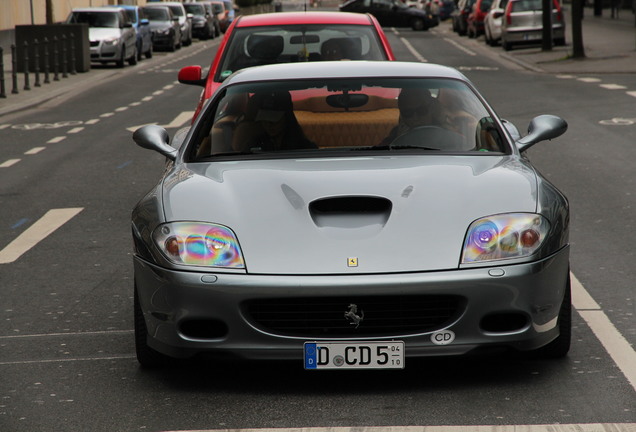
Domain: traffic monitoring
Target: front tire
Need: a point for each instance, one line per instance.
(559, 347)
(418, 24)
(146, 356)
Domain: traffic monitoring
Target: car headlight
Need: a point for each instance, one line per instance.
(505, 236)
(199, 244)
(111, 41)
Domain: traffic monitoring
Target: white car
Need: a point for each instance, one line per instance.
(111, 33)
(185, 21)
(492, 22)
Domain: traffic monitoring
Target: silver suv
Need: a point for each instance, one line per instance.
(111, 33)
(522, 23)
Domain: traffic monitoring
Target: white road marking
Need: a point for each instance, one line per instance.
(105, 115)
(612, 86)
(585, 427)
(589, 80)
(460, 47)
(147, 98)
(4, 126)
(88, 333)
(56, 140)
(631, 93)
(413, 51)
(37, 232)
(120, 109)
(178, 121)
(34, 150)
(91, 122)
(8, 163)
(75, 130)
(614, 343)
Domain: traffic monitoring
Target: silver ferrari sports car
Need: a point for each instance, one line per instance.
(350, 215)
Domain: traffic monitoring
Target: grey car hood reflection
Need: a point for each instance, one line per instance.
(433, 200)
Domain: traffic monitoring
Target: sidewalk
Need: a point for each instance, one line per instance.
(609, 44)
(610, 47)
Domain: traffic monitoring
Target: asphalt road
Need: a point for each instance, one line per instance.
(66, 344)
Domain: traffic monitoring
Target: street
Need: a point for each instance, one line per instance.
(70, 175)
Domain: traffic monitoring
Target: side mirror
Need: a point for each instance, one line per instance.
(541, 128)
(191, 75)
(153, 137)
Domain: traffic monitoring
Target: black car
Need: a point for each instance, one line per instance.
(460, 16)
(203, 26)
(393, 13)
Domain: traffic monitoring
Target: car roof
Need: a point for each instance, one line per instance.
(98, 9)
(343, 69)
(282, 18)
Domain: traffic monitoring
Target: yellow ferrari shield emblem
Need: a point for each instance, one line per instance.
(352, 262)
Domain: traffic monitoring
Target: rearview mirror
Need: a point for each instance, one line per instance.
(541, 128)
(153, 137)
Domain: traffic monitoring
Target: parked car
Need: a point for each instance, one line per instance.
(230, 11)
(322, 247)
(214, 11)
(460, 16)
(221, 14)
(202, 22)
(475, 20)
(287, 37)
(179, 11)
(111, 35)
(493, 20)
(441, 8)
(523, 23)
(166, 31)
(138, 18)
(393, 13)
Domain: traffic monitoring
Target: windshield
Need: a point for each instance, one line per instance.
(96, 19)
(131, 15)
(177, 10)
(157, 14)
(319, 117)
(195, 9)
(254, 46)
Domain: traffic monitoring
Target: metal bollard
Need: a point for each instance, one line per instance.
(27, 86)
(56, 64)
(36, 68)
(14, 72)
(64, 62)
(73, 70)
(46, 61)
(3, 94)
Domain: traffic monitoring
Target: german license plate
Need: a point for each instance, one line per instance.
(354, 355)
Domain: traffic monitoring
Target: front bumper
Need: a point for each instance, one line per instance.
(102, 52)
(512, 306)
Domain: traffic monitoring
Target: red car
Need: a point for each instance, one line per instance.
(287, 37)
(475, 22)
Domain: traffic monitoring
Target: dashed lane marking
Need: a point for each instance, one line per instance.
(37, 232)
(413, 51)
(9, 162)
(34, 150)
(56, 140)
(584, 427)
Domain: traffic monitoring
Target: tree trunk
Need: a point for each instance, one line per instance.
(577, 29)
(49, 11)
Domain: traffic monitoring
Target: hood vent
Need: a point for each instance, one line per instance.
(350, 212)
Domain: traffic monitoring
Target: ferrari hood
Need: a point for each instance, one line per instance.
(350, 215)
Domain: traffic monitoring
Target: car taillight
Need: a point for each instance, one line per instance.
(508, 10)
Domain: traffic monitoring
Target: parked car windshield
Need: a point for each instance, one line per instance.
(131, 15)
(194, 9)
(95, 19)
(157, 14)
(176, 10)
(317, 117)
(254, 46)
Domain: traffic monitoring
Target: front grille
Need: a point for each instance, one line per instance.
(381, 315)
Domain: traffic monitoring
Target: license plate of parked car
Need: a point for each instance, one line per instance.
(354, 355)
